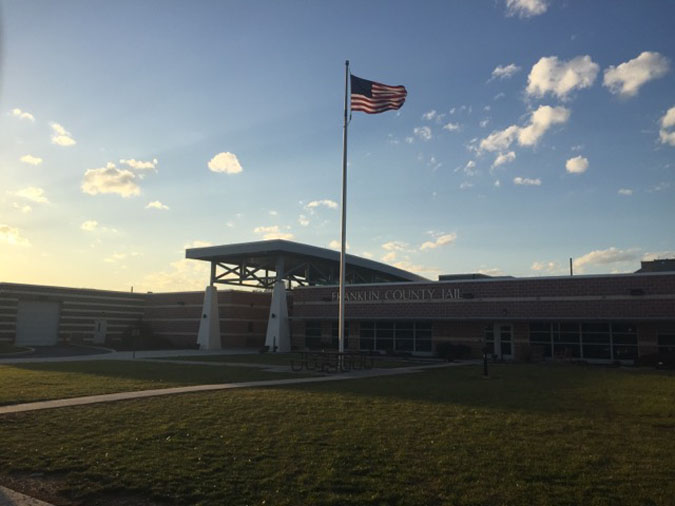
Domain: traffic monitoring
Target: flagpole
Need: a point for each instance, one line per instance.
(341, 310)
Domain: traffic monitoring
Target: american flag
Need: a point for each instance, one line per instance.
(372, 97)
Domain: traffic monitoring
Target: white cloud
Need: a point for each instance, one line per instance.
(470, 168)
(526, 181)
(625, 191)
(484, 123)
(395, 246)
(544, 267)
(110, 179)
(667, 132)
(451, 127)
(541, 120)
(500, 139)
(197, 244)
(550, 75)
(60, 136)
(576, 165)
(367, 254)
(659, 255)
(491, 271)
(182, 275)
(465, 185)
(18, 113)
(12, 236)
(607, 256)
(423, 133)
(89, 225)
(156, 204)
(225, 162)
(498, 183)
(663, 185)
(140, 165)
(272, 232)
(330, 204)
(505, 71)
(525, 8)
(337, 245)
(31, 160)
(23, 208)
(33, 194)
(272, 212)
(440, 241)
(389, 257)
(429, 115)
(627, 78)
(303, 220)
(503, 158)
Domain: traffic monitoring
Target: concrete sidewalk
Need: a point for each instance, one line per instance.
(11, 498)
(109, 354)
(141, 394)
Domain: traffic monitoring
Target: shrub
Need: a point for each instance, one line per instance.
(451, 351)
(662, 360)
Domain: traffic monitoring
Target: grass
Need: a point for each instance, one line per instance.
(10, 348)
(530, 434)
(43, 381)
(281, 359)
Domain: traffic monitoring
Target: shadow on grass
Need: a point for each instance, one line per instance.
(525, 387)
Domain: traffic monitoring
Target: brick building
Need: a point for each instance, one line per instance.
(596, 318)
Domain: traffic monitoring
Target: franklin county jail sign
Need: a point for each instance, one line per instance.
(398, 294)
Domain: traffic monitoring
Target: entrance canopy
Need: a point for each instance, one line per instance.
(260, 264)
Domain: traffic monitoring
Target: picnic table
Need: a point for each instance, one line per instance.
(332, 361)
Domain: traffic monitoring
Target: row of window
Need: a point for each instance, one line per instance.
(409, 336)
(605, 341)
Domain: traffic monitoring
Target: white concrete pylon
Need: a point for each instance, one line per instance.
(208, 337)
(278, 337)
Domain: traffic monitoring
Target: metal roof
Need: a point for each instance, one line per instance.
(302, 264)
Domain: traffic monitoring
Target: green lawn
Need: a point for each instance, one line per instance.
(530, 434)
(283, 359)
(42, 381)
(10, 348)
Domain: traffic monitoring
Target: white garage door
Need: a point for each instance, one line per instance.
(37, 323)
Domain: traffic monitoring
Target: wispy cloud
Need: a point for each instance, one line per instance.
(505, 71)
(18, 113)
(441, 240)
(140, 165)
(12, 236)
(33, 194)
(526, 181)
(31, 160)
(156, 204)
(60, 136)
(272, 232)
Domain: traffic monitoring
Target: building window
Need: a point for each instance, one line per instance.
(334, 335)
(313, 335)
(666, 343)
(489, 338)
(398, 336)
(595, 341)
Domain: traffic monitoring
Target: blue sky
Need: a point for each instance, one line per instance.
(534, 131)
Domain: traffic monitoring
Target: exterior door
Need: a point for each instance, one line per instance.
(37, 323)
(100, 329)
(503, 335)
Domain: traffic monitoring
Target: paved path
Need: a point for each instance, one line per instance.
(121, 396)
(11, 498)
(108, 354)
